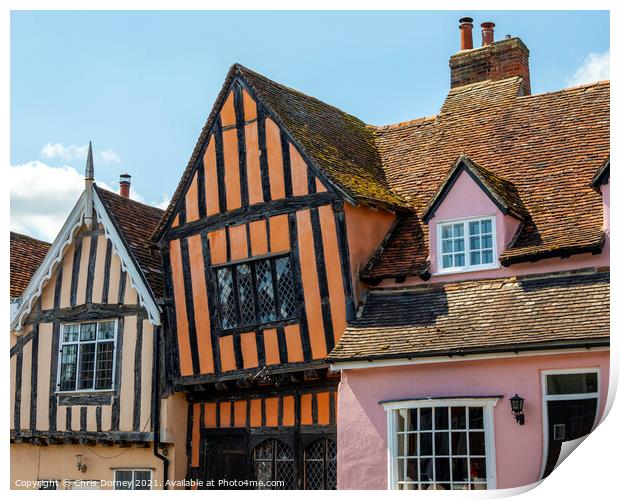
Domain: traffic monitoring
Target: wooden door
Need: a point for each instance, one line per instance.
(226, 461)
(567, 420)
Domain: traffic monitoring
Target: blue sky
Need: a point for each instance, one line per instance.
(141, 84)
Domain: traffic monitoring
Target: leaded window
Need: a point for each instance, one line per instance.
(256, 292)
(274, 465)
(87, 356)
(320, 465)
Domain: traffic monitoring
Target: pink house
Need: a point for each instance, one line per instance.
(482, 342)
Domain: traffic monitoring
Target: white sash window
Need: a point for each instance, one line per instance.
(466, 245)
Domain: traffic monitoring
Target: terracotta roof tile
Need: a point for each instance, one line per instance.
(26, 256)
(342, 145)
(478, 316)
(136, 223)
(547, 146)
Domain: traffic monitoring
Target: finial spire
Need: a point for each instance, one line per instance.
(89, 181)
(90, 167)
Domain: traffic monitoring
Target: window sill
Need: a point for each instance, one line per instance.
(258, 326)
(98, 398)
(94, 392)
(462, 270)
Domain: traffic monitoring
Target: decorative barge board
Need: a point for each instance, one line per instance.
(83, 340)
(262, 244)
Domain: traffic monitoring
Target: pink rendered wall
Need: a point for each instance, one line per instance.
(362, 422)
(605, 193)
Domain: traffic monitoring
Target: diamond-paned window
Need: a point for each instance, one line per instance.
(274, 461)
(266, 293)
(285, 287)
(256, 292)
(228, 315)
(246, 294)
(320, 465)
(87, 356)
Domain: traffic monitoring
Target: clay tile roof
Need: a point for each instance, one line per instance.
(516, 313)
(403, 252)
(26, 256)
(502, 192)
(136, 222)
(548, 147)
(342, 145)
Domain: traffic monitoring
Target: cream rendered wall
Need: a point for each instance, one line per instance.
(29, 463)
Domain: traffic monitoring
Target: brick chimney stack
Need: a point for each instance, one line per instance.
(492, 61)
(125, 182)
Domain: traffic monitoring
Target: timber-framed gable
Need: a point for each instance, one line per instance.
(251, 182)
(86, 358)
(261, 249)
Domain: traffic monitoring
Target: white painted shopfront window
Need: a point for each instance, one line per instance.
(441, 444)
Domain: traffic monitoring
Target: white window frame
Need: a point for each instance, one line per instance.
(487, 404)
(62, 343)
(133, 476)
(467, 267)
(562, 397)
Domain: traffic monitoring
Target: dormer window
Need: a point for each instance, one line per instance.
(466, 245)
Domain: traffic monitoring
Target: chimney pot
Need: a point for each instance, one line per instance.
(487, 33)
(125, 182)
(466, 27)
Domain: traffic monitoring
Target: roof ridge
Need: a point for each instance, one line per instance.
(568, 89)
(130, 199)
(22, 235)
(242, 68)
(406, 123)
(484, 83)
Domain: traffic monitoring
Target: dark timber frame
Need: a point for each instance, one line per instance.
(298, 437)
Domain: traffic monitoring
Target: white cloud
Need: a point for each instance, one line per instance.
(108, 156)
(72, 152)
(67, 153)
(165, 201)
(42, 197)
(594, 68)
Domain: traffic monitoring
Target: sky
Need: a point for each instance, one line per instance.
(140, 85)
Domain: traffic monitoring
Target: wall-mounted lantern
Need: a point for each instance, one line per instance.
(516, 403)
(79, 464)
